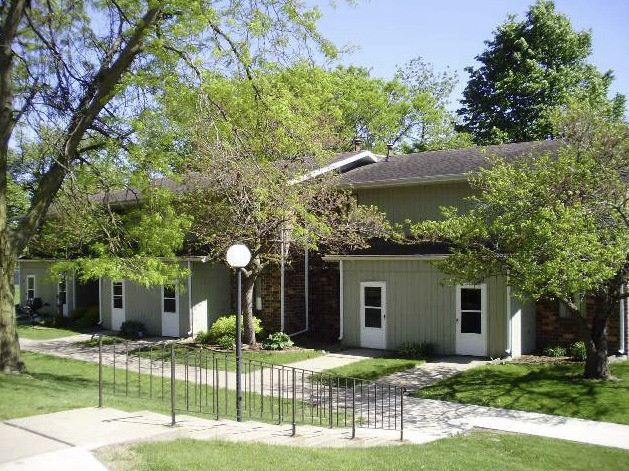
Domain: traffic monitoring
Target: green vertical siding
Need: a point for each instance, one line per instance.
(211, 282)
(419, 308)
(105, 302)
(418, 202)
(45, 288)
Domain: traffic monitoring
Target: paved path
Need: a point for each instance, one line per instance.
(438, 419)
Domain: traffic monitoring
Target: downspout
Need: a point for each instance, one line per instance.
(100, 301)
(282, 281)
(341, 331)
(73, 291)
(190, 318)
(622, 340)
(306, 293)
(509, 349)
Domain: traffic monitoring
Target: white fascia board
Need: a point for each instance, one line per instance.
(364, 155)
(338, 258)
(408, 181)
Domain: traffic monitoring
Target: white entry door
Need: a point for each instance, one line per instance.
(170, 311)
(471, 320)
(62, 298)
(373, 314)
(118, 303)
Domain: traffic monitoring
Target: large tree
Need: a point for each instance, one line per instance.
(528, 68)
(555, 225)
(74, 75)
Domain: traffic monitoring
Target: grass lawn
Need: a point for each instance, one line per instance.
(478, 451)
(54, 384)
(37, 332)
(191, 356)
(374, 368)
(550, 389)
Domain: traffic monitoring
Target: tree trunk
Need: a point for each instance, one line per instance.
(248, 283)
(596, 362)
(10, 360)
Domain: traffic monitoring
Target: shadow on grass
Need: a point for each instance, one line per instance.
(550, 389)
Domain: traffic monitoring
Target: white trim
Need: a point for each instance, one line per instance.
(177, 308)
(100, 301)
(74, 289)
(364, 155)
(282, 269)
(190, 315)
(341, 304)
(338, 258)
(381, 341)
(64, 312)
(124, 303)
(622, 348)
(509, 348)
(34, 278)
(484, 313)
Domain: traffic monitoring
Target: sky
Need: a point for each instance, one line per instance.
(450, 33)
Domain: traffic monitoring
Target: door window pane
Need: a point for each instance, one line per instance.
(170, 298)
(470, 299)
(30, 287)
(117, 295)
(373, 317)
(373, 296)
(471, 322)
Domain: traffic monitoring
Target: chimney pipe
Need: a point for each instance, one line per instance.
(357, 142)
(389, 151)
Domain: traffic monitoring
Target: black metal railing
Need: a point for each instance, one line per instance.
(198, 380)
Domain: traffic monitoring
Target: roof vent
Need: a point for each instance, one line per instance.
(389, 151)
(357, 143)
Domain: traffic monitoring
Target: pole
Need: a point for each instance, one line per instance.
(172, 384)
(239, 349)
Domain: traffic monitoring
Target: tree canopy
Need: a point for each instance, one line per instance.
(555, 223)
(529, 68)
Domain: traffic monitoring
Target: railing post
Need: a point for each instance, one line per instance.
(330, 399)
(353, 408)
(402, 390)
(100, 371)
(172, 384)
(294, 399)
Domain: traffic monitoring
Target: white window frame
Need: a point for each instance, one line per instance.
(176, 298)
(113, 295)
(28, 278)
(383, 307)
(483, 304)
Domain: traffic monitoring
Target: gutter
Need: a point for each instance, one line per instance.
(341, 310)
(622, 347)
(306, 294)
(282, 266)
(190, 317)
(339, 258)
(406, 181)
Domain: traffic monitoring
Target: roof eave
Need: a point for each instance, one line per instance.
(408, 181)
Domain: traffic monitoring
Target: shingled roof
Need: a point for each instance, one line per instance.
(438, 165)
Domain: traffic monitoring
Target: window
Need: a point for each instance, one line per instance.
(169, 298)
(471, 310)
(257, 289)
(117, 294)
(373, 306)
(30, 286)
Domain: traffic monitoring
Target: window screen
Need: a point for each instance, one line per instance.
(117, 295)
(170, 298)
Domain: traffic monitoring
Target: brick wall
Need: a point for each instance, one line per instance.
(323, 296)
(554, 330)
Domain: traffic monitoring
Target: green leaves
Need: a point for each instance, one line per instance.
(555, 224)
(528, 69)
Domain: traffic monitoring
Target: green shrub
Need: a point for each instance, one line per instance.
(226, 341)
(226, 325)
(556, 351)
(203, 337)
(277, 341)
(132, 329)
(89, 318)
(417, 350)
(578, 351)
